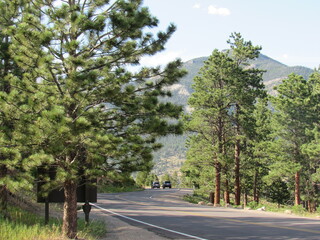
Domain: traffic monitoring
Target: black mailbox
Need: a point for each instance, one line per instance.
(86, 191)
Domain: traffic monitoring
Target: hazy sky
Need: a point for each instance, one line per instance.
(287, 30)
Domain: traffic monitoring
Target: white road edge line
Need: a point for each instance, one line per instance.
(148, 224)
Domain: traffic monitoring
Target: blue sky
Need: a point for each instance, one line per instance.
(287, 30)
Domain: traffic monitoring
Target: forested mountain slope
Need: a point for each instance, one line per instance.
(172, 155)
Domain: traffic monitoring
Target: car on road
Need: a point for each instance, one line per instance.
(166, 184)
(155, 185)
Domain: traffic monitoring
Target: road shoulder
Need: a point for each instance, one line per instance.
(120, 230)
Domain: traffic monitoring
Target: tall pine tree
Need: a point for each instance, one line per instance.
(246, 86)
(10, 13)
(293, 117)
(84, 110)
(224, 100)
(210, 119)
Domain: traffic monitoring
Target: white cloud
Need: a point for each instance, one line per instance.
(160, 58)
(285, 56)
(197, 5)
(218, 11)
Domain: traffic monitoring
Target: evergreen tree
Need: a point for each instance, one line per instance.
(294, 116)
(224, 98)
(311, 148)
(257, 157)
(151, 178)
(84, 111)
(9, 156)
(141, 179)
(246, 86)
(209, 119)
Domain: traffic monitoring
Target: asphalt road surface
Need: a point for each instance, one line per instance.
(165, 214)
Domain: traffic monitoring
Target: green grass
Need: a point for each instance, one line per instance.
(194, 199)
(24, 225)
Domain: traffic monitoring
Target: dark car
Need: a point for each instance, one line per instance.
(155, 185)
(166, 184)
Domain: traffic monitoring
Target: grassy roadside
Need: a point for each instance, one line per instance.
(269, 207)
(24, 225)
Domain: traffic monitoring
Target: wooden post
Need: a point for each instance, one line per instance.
(211, 197)
(46, 211)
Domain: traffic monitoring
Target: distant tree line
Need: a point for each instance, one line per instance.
(145, 179)
(244, 142)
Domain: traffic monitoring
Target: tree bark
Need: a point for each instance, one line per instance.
(218, 184)
(237, 173)
(237, 189)
(227, 192)
(255, 188)
(297, 200)
(6, 87)
(245, 199)
(69, 226)
(3, 193)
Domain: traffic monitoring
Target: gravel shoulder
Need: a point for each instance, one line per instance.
(120, 230)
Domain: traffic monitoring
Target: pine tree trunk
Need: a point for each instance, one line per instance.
(312, 206)
(297, 200)
(218, 184)
(218, 163)
(245, 199)
(3, 193)
(227, 192)
(237, 173)
(69, 227)
(237, 189)
(9, 125)
(255, 186)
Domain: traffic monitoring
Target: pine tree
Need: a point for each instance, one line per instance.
(141, 179)
(210, 119)
(246, 86)
(294, 116)
(9, 157)
(259, 143)
(224, 100)
(86, 110)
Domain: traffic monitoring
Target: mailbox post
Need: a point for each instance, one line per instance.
(86, 192)
(86, 209)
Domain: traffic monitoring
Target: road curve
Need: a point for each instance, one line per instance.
(163, 213)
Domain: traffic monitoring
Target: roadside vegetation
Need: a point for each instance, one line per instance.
(298, 210)
(24, 225)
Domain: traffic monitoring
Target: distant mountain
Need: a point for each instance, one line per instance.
(171, 157)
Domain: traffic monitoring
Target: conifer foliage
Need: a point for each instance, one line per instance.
(225, 93)
(79, 105)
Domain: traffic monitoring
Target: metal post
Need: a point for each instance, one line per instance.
(86, 209)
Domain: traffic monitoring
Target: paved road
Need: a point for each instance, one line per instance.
(165, 214)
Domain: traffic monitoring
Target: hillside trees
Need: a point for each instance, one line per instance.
(84, 111)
